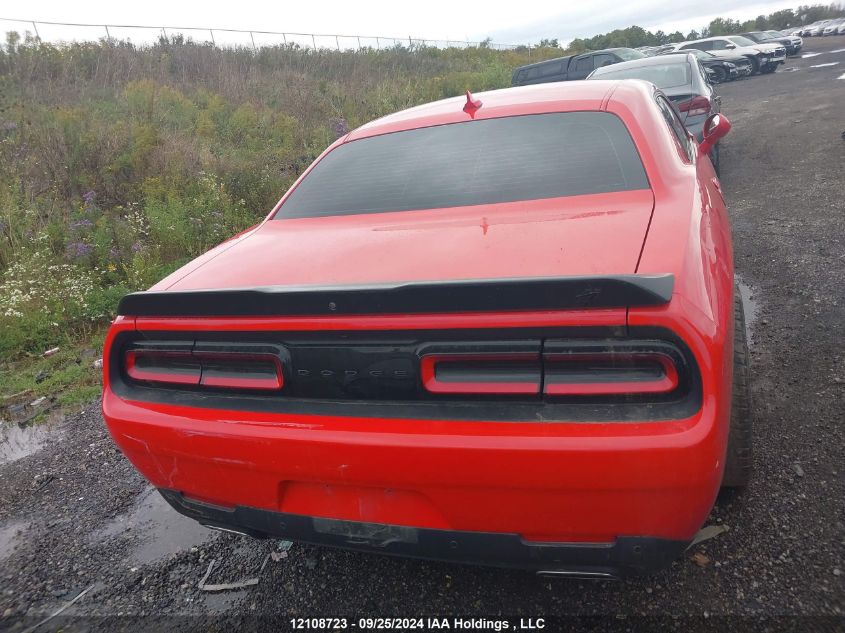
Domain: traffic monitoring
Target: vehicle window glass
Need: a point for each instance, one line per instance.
(741, 41)
(702, 46)
(674, 123)
(604, 60)
(583, 65)
(703, 72)
(627, 54)
(672, 74)
(552, 68)
(719, 45)
(476, 162)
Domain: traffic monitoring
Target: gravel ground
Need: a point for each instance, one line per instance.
(75, 514)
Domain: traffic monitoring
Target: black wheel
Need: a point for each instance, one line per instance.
(714, 158)
(769, 68)
(720, 75)
(738, 458)
(755, 64)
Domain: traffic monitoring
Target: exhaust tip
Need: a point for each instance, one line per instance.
(576, 574)
(225, 529)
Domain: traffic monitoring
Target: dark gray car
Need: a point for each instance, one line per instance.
(682, 79)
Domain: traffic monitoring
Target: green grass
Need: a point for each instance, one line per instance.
(67, 378)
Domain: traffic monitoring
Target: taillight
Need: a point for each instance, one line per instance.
(609, 374)
(219, 369)
(550, 369)
(504, 374)
(695, 106)
(177, 368)
(563, 368)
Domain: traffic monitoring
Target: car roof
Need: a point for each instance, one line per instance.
(557, 59)
(659, 60)
(565, 96)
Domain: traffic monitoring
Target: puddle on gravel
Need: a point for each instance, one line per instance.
(10, 537)
(160, 530)
(751, 307)
(17, 441)
(806, 55)
(825, 65)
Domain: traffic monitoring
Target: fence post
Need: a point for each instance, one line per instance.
(35, 28)
(378, 46)
(253, 42)
(337, 41)
(314, 42)
(108, 35)
(211, 31)
(359, 42)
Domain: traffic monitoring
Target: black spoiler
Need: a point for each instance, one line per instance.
(473, 295)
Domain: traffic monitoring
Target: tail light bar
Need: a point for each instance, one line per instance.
(481, 368)
(536, 369)
(696, 106)
(564, 368)
(210, 365)
(609, 372)
(505, 374)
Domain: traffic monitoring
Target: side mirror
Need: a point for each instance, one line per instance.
(729, 46)
(715, 127)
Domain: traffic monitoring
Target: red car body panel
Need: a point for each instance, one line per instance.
(554, 481)
(481, 243)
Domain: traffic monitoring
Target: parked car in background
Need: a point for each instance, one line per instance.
(764, 58)
(723, 66)
(791, 44)
(572, 67)
(814, 30)
(683, 80)
(832, 27)
(797, 42)
(841, 29)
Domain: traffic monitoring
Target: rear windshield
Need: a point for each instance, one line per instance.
(668, 75)
(477, 162)
(628, 54)
(741, 41)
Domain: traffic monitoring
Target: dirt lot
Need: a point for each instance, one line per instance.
(75, 515)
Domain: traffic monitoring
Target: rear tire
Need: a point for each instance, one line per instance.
(714, 158)
(720, 75)
(738, 457)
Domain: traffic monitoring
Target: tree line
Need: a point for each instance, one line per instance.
(635, 36)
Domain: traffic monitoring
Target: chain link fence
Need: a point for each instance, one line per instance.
(69, 31)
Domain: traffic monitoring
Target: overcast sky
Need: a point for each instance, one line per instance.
(506, 22)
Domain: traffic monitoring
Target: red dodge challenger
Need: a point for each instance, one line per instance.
(500, 329)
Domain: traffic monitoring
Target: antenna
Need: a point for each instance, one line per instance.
(472, 104)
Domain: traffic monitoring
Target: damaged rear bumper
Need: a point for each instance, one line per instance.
(626, 556)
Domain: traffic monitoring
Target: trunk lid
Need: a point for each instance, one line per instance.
(599, 234)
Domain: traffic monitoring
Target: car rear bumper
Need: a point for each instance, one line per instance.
(547, 496)
(626, 556)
